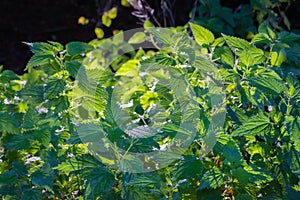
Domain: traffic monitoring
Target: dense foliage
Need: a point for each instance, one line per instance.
(50, 117)
(157, 113)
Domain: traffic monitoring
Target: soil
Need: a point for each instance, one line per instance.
(56, 20)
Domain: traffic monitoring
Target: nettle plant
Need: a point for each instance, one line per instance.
(64, 122)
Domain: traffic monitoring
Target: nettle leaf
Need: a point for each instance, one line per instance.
(260, 38)
(33, 93)
(39, 60)
(72, 67)
(269, 85)
(99, 181)
(225, 54)
(236, 44)
(278, 57)
(252, 56)
(80, 162)
(43, 176)
(251, 174)
(16, 142)
(266, 29)
(285, 36)
(162, 35)
(256, 125)
(41, 48)
(31, 194)
(212, 179)
(8, 178)
(55, 85)
(293, 128)
(78, 48)
(231, 152)
(294, 87)
(201, 34)
(144, 180)
(188, 167)
(7, 75)
(8, 122)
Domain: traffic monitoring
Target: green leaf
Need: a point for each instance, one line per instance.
(266, 29)
(211, 179)
(40, 48)
(54, 86)
(201, 34)
(78, 48)
(236, 44)
(72, 67)
(293, 128)
(99, 181)
(8, 122)
(163, 35)
(137, 38)
(278, 57)
(260, 38)
(188, 167)
(32, 194)
(144, 180)
(8, 178)
(16, 142)
(39, 60)
(256, 125)
(43, 177)
(252, 56)
(269, 85)
(231, 152)
(7, 75)
(33, 93)
(225, 54)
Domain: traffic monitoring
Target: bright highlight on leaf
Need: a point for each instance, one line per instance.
(148, 99)
(112, 13)
(99, 33)
(83, 21)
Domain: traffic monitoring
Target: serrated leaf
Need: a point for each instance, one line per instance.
(225, 54)
(188, 167)
(211, 179)
(31, 194)
(99, 181)
(43, 177)
(8, 122)
(201, 34)
(236, 44)
(78, 48)
(269, 85)
(231, 152)
(260, 38)
(72, 67)
(252, 56)
(40, 48)
(256, 125)
(16, 142)
(39, 60)
(54, 86)
(162, 35)
(33, 93)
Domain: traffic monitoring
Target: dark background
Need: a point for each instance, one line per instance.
(56, 20)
